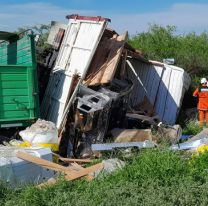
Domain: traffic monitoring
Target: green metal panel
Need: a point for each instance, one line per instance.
(19, 52)
(18, 82)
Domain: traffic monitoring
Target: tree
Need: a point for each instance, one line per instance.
(190, 50)
(158, 43)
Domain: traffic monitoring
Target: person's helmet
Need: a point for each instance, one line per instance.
(203, 80)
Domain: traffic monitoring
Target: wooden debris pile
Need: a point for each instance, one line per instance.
(71, 172)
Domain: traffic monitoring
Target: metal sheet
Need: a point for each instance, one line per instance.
(76, 52)
(146, 80)
(192, 145)
(164, 86)
(111, 146)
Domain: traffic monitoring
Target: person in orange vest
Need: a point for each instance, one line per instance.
(202, 94)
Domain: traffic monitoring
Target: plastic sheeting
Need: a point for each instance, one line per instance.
(40, 132)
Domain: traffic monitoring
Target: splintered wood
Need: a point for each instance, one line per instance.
(71, 173)
(106, 60)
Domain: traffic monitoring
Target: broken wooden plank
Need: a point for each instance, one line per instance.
(43, 163)
(85, 171)
(70, 174)
(115, 56)
(99, 61)
(75, 160)
(53, 181)
(96, 76)
(131, 135)
(104, 71)
(77, 167)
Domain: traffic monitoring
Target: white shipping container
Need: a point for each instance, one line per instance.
(164, 86)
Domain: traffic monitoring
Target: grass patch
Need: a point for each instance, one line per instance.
(151, 177)
(192, 127)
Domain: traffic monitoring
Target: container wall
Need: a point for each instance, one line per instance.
(164, 86)
(19, 103)
(75, 54)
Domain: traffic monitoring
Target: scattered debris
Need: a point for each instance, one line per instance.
(42, 133)
(193, 142)
(111, 146)
(109, 166)
(131, 135)
(70, 174)
(190, 145)
(201, 135)
(93, 86)
(171, 134)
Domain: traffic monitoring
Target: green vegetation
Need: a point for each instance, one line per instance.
(151, 177)
(192, 127)
(189, 50)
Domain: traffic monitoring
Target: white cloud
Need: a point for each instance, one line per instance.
(187, 17)
(19, 15)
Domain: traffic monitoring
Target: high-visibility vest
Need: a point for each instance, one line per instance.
(202, 94)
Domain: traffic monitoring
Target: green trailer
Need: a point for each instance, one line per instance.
(19, 104)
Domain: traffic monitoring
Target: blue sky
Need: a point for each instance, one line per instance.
(131, 15)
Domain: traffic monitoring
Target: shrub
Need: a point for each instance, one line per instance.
(189, 50)
(192, 127)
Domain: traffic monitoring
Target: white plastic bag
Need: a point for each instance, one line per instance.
(41, 132)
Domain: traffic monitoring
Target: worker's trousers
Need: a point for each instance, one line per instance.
(203, 117)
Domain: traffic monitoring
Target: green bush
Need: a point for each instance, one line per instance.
(189, 50)
(192, 127)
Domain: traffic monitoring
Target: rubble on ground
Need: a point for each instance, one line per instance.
(97, 93)
(109, 166)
